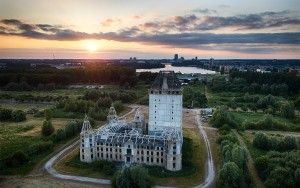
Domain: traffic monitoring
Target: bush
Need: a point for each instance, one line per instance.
(18, 116)
(280, 177)
(287, 110)
(230, 176)
(17, 159)
(47, 128)
(264, 142)
(132, 177)
(221, 116)
(118, 106)
(5, 114)
(279, 169)
(39, 148)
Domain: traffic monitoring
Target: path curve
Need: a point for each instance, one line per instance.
(50, 163)
(210, 172)
(210, 175)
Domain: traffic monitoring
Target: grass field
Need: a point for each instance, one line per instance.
(19, 136)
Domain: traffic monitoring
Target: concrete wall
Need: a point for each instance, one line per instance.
(165, 111)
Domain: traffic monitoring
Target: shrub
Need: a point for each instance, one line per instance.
(118, 106)
(221, 116)
(287, 110)
(230, 176)
(39, 148)
(132, 177)
(47, 128)
(280, 177)
(264, 142)
(18, 116)
(17, 159)
(5, 114)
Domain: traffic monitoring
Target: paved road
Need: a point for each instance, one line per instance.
(210, 171)
(210, 175)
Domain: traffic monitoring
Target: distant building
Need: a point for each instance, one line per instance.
(176, 57)
(158, 143)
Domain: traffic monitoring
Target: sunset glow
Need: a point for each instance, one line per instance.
(79, 29)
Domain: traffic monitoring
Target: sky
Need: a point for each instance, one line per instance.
(97, 29)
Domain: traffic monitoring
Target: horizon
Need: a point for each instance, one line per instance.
(94, 29)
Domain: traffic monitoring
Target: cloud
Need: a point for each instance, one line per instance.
(204, 11)
(137, 17)
(185, 39)
(197, 23)
(108, 22)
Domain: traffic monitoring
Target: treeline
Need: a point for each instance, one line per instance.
(12, 115)
(269, 123)
(22, 157)
(225, 120)
(264, 142)
(32, 98)
(237, 84)
(268, 104)
(16, 78)
(233, 172)
(272, 80)
(279, 170)
(193, 96)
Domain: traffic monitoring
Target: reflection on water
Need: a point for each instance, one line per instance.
(183, 70)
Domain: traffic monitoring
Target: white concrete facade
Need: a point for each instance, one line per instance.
(165, 112)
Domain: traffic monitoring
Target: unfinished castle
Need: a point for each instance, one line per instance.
(158, 142)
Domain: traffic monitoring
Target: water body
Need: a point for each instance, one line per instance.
(183, 70)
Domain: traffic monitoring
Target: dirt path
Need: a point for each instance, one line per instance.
(210, 173)
(50, 163)
(250, 164)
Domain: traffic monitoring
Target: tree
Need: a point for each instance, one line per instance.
(47, 128)
(221, 116)
(132, 177)
(103, 102)
(16, 159)
(297, 177)
(48, 114)
(261, 141)
(280, 177)
(289, 143)
(18, 116)
(261, 163)
(118, 106)
(5, 114)
(230, 176)
(287, 110)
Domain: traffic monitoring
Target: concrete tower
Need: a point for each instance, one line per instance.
(165, 103)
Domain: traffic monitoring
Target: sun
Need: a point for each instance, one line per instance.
(91, 46)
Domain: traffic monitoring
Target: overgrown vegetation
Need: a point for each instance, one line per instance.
(234, 172)
(264, 142)
(12, 115)
(132, 177)
(194, 96)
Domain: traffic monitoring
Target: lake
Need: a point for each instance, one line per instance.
(183, 70)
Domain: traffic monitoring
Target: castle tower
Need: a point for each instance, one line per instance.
(165, 103)
(87, 142)
(112, 115)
